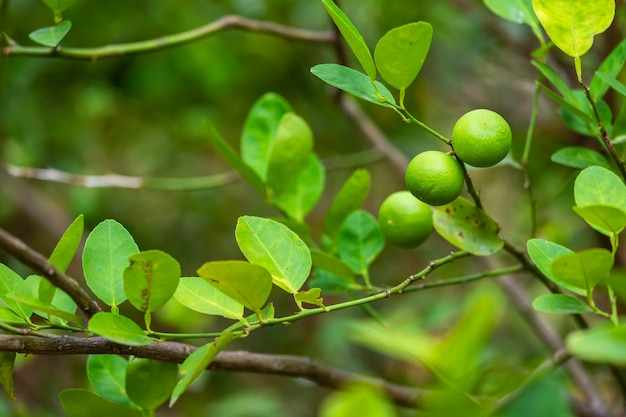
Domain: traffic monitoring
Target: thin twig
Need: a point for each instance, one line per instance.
(33, 259)
(115, 50)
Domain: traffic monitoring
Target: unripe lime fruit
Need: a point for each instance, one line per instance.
(481, 138)
(434, 177)
(405, 220)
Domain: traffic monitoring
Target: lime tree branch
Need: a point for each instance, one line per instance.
(235, 361)
(33, 259)
(114, 50)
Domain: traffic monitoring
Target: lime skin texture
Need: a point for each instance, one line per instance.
(481, 138)
(434, 177)
(405, 221)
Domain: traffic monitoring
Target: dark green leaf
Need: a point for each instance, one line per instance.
(467, 227)
(360, 241)
(198, 295)
(150, 382)
(585, 269)
(118, 329)
(331, 283)
(107, 376)
(560, 304)
(330, 263)
(52, 35)
(543, 254)
(601, 344)
(350, 197)
(578, 157)
(609, 69)
(81, 403)
(58, 5)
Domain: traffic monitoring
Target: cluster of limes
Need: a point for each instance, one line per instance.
(480, 138)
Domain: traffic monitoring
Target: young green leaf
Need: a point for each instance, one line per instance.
(81, 403)
(289, 152)
(11, 283)
(572, 24)
(312, 296)
(610, 68)
(151, 279)
(304, 192)
(543, 253)
(7, 362)
(60, 300)
(277, 248)
(44, 308)
(353, 38)
(516, 11)
(118, 329)
(150, 382)
(198, 295)
(358, 399)
(259, 131)
(608, 220)
(354, 82)
(401, 52)
(599, 186)
(107, 376)
(467, 227)
(350, 197)
(578, 157)
(52, 35)
(105, 257)
(560, 304)
(359, 242)
(585, 269)
(197, 362)
(247, 284)
(600, 344)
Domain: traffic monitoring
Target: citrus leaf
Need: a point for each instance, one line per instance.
(357, 399)
(353, 38)
(58, 5)
(60, 299)
(608, 220)
(150, 382)
(560, 304)
(151, 279)
(467, 227)
(584, 269)
(578, 157)
(118, 329)
(276, 248)
(601, 344)
(312, 296)
(516, 11)
(543, 253)
(350, 197)
(198, 295)
(401, 52)
(107, 376)
(353, 82)
(105, 257)
(7, 362)
(599, 186)
(330, 263)
(360, 241)
(197, 362)
(247, 284)
(11, 283)
(52, 35)
(609, 69)
(81, 403)
(612, 82)
(44, 307)
(557, 81)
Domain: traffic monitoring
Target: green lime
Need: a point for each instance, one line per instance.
(405, 220)
(434, 177)
(481, 138)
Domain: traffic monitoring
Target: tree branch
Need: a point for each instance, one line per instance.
(115, 50)
(235, 361)
(33, 259)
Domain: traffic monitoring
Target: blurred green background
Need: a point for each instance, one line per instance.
(143, 115)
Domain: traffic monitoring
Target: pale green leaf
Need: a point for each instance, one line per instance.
(599, 186)
(600, 344)
(608, 220)
(52, 35)
(11, 283)
(543, 253)
(560, 304)
(199, 295)
(118, 329)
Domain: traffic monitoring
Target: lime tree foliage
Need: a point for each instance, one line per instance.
(137, 367)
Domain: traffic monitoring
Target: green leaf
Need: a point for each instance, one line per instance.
(572, 24)
(7, 362)
(467, 227)
(560, 304)
(585, 269)
(543, 254)
(107, 376)
(350, 197)
(58, 5)
(612, 82)
(8, 316)
(277, 248)
(198, 295)
(609, 69)
(235, 160)
(259, 131)
(516, 11)
(353, 38)
(44, 307)
(566, 105)
(118, 329)
(150, 382)
(304, 192)
(247, 284)
(608, 220)
(401, 52)
(312, 296)
(354, 82)
(52, 35)
(330, 263)
(81, 403)
(332, 283)
(599, 186)
(357, 399)
(601, 344)
(197, 362)
(360, 241)
(11, 283)
(105, 257)
(558, 82)
(578, 157)
(151, 279)
(60, 300)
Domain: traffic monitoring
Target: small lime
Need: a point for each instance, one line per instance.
(481, 138)
(434, 177)
(405, 221)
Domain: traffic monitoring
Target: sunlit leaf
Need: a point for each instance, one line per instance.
(199, 295)
(52, 35)
(44, 307)
(11, 283)
(599, 186)
(118, 329)
(608, 220)
(312, 296)
(560, 304)
(150, 382)
(543, 253)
